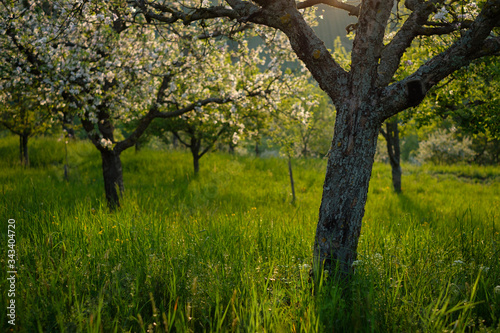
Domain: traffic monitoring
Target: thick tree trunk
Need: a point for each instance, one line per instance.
(394, 151)
(113, 177)
(23, 150)
(345, 191)
(292, 183)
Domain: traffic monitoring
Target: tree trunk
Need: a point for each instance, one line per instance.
(291, 178)
(257, 152)
(393, 149)
(345, 191)
(23, 150)
(195, 151)
(196, 163)
(66, 169)
(113, 177)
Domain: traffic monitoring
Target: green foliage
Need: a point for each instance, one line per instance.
(303, 124)
(226, 253)
(442, 148)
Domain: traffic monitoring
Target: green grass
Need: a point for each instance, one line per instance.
(227, 252)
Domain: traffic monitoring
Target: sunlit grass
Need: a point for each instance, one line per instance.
(226, 251)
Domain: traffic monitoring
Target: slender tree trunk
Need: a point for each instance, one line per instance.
(113, 177)
(393, 149)
(345, 191)
(292, 183)
(66, 171)
(23, 150)
(257, 151)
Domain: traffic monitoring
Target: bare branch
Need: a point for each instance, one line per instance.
(171, 15)
(352, 10)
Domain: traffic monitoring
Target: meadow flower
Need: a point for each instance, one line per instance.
(441, 14)
(496, 290)
(357, 263)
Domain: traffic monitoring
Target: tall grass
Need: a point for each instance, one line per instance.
(226, 251)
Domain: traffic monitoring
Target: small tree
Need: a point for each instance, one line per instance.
(21, 115)
(301, 118)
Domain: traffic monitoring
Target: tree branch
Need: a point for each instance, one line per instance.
(411, 90)
(352, 10)
(475, 43)
(179, 138)
(187, 17)
(392, 52)
(368, 43)
(207, 148)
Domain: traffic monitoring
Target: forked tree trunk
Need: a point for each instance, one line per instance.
(345, 191)
(113, 177)
(23, 150)
(393, 149)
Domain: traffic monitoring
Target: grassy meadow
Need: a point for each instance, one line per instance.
(227, 252)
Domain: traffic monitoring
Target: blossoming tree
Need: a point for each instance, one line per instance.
(110, 65)
(365, 95)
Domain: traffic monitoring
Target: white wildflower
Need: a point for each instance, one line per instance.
(357, 263)
(441, 14)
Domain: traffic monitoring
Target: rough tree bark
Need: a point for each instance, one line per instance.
(113, 177)
(391, 136)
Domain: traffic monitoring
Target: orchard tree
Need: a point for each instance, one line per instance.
(299, 121)
(22, 115)
(366, 94)
(109, 65)
(201, 130)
